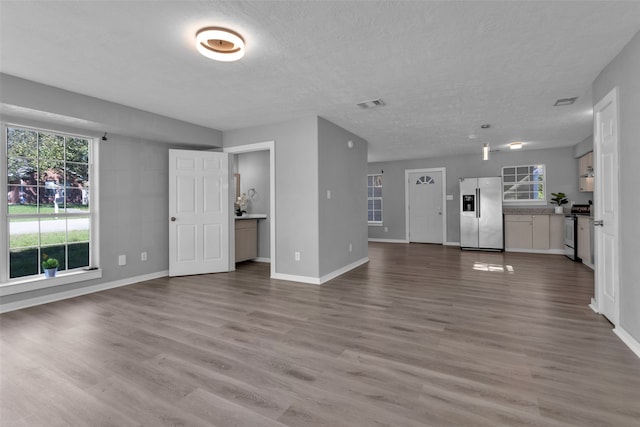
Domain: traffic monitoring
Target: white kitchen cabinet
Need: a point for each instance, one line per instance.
(540, 231)
(556, 232)
(518, 231)
(533, 232)
(585, 172)
(584, 239)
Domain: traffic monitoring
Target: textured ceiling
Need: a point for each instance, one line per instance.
(443, 68)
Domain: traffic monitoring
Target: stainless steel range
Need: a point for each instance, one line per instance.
(570, 230)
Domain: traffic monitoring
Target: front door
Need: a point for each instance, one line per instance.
(200, 212)
(425, 207)
(606, 205)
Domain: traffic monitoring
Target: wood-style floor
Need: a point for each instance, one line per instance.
(422, 335)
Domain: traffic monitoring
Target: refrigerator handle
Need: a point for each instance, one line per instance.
(477, 203)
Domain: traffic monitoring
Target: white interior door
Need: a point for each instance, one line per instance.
(425, 207)
(606, 205)
(199, 212)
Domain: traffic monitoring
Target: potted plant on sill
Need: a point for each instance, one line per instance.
(559, 199)
(49, 266)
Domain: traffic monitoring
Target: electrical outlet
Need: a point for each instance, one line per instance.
(386, 229)
(328, 194)
(143, 256)
(296, 255)
(122, 260)
(350, 247)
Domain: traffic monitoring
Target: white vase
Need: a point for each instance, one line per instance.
(559, 209)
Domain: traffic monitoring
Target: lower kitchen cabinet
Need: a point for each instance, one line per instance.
(518, 231)
(584, 239)
(540, 232)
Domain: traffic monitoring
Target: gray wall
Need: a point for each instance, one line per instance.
(296, 164)
(254, 173)
(134, 202)
(583, 147)
(624, 72)
(133, 175)
(562, 176)
(343, 218)
(24, 97)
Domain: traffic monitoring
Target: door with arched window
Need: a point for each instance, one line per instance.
(425, 207)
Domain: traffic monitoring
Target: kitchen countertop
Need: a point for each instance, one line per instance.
(251, 216)
(531, 211)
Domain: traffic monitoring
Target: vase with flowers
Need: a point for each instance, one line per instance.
(241, 204)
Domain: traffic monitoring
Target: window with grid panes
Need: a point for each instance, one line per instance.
(524, 184)
(374, 199)
(48, 212)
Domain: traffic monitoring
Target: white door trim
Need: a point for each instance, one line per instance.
(444, 199)
(610, 98)
(263, 146)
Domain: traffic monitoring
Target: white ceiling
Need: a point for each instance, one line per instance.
(443, 68)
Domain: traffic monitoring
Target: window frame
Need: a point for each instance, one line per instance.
(525, 202)
(373, 198)
(9, 286)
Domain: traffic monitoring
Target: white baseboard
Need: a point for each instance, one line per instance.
(537, 251)
(371, 239)
(626, 338)
(294, 278)
(594, 306)
(588, 264)
(323, 279)
(44, 299)
(451, 244)
(261, 259)
(343, 270)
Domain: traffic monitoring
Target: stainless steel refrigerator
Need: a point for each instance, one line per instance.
(481, 224)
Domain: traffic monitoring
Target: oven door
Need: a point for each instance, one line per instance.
(570, 237)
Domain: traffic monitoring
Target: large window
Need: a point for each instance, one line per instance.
(524, 184)
(48, 211)
(374, 199)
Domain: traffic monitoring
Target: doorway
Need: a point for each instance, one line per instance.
(270, 147)
(426, 213)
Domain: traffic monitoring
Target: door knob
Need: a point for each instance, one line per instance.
(597, 222)
(173, 218)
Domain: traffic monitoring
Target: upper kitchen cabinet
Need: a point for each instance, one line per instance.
(585, 172)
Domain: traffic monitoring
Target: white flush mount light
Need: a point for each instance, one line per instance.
(485, 152)
(515, 145)
(220, 44)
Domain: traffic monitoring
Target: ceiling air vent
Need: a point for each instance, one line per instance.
(371, 104)
(565, 101)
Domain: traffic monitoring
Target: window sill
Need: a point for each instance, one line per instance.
(375, 224)
(41, 282)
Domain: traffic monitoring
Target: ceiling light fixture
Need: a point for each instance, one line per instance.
(485, 152)
(515, 145)
(220, 44)
(487, 126)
